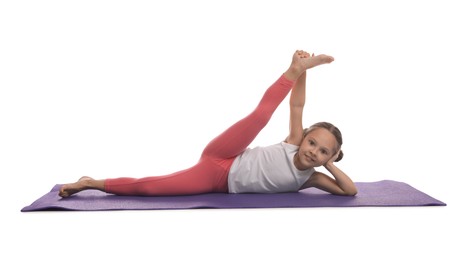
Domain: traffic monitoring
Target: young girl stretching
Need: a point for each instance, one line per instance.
(227, 164)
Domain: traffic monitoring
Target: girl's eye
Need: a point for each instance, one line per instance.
(324, 152)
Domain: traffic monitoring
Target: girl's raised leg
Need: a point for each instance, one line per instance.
(239, 136)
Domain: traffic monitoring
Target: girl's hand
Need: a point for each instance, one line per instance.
(332, 160)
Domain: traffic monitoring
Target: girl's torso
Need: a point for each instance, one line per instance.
(267, 170)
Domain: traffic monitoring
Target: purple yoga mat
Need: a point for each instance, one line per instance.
(370, 194)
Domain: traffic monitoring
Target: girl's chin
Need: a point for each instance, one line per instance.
(309, 165)
(312, 165)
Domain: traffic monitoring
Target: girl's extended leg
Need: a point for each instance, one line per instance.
(206, 176)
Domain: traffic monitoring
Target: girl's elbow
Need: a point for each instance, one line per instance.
(352, 192)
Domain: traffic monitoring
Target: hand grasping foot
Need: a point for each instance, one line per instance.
(308, 61)
(302, 61)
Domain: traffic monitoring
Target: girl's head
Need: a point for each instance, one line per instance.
(334, 131)
(320, 143)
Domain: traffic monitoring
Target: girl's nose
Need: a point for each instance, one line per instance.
(312, 152)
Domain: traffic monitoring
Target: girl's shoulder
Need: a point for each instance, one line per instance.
(289, 146)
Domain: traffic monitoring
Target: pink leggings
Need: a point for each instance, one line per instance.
(211, 172)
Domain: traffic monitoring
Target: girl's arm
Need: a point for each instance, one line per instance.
(341, 184)
(297, 102)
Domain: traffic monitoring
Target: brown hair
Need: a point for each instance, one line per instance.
(332, 129)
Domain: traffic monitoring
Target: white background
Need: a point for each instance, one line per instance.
(137, 88)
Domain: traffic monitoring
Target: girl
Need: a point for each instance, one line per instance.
(227, 165)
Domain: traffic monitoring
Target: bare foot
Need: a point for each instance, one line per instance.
(303, 60)
(69, 189)
(311, 60)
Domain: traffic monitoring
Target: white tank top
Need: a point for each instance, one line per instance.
(267, 170)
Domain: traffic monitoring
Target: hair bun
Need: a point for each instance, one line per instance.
(340, 156)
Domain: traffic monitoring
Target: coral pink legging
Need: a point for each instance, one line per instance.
(210, 174)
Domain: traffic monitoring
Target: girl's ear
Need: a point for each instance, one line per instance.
(305, 132)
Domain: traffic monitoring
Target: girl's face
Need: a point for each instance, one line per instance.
(316, 149)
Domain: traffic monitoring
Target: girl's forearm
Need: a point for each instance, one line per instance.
(298, 95)
(342, 179)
